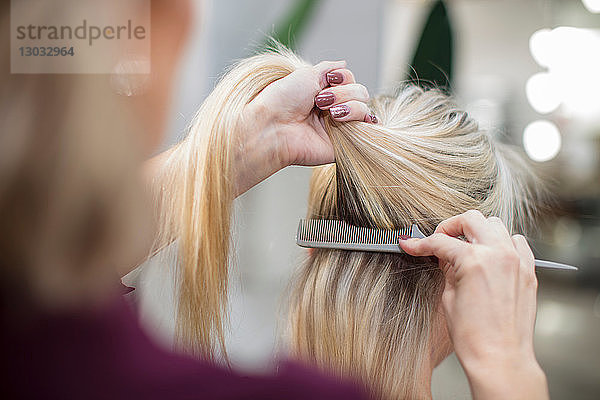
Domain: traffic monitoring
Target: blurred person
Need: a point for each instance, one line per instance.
(73, 214)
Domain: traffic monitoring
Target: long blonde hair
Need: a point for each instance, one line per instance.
(372, 316)
(424, 162)
(196, 195)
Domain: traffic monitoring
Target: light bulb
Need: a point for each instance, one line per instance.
(541, 140)
(540, 46)
(542, 93)
(592, 6)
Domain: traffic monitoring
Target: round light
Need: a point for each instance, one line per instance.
(542, 93)
(592, 6)
(541, 47)
(541, 140)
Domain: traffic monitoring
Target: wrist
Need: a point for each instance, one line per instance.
(258, 154)
(505, 377)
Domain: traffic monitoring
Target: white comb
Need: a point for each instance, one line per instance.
(333, 234)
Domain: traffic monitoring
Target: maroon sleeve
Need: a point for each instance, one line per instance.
(105, 355)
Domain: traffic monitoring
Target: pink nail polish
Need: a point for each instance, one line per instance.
(371, 118)
(325, 99)
(335, 78)
(339, 111)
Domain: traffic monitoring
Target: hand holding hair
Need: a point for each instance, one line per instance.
(489, 301)
(280, 126)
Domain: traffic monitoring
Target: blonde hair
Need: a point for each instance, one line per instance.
(197, 190)
(372, 316)
(425, 161)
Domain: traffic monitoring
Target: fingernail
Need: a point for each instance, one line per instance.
(325, 99)
(372, 118)
(404, 237)
(335, 78)
(339, 111)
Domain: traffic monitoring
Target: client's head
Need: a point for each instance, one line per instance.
(375, 317)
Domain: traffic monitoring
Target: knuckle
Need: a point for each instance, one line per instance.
(531, 280)
(528, 276)
(473, 214)
(364, 93)
(519, 238)
(511, 259)
(475, 266)
(472, 252)
(495, 220)
(441, 226)
(480, 257)
(475, 259)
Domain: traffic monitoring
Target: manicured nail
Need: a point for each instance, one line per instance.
(372, 118)
(404, 237)
(339, 111)
(325, 99)
(335, 78)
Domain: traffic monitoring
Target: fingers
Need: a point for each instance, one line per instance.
(523, 250)
(527, 281)
(527, 261)
(324, 68)
(350, 111)
(340, 76)
(341, 94)
(343, 97)
(446, 248)
(472, 225)
(499, 228)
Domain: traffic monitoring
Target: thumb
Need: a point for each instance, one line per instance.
(444, 247)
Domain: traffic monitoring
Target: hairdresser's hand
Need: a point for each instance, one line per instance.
(283, 127)
(490, 304)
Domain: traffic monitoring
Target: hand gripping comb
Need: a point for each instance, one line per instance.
(332, 234)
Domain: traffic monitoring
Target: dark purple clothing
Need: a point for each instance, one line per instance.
(105, 355)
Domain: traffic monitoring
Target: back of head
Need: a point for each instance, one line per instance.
(424, 162)
(372, 316)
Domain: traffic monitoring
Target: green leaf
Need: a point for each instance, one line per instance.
(291, 28)
(432, 62)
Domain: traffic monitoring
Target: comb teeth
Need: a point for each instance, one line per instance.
(333, 231)
(331, 234)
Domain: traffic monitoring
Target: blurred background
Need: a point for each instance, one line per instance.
(528, 70)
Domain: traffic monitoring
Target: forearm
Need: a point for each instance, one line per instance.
(153, 167)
